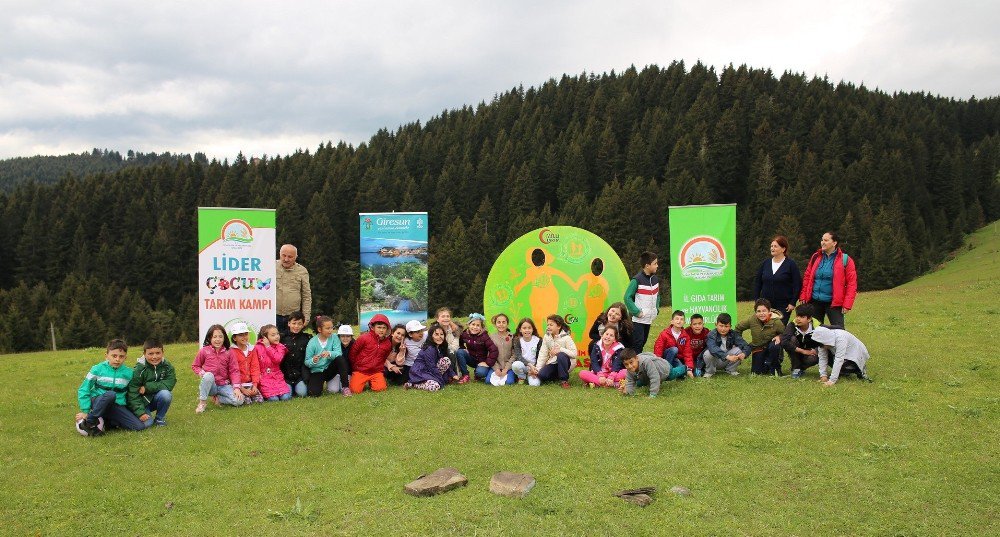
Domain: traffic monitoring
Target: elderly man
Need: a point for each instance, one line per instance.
(293, 290)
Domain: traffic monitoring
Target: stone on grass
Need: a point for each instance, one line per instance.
(440, 481)
(641, 496)
(511, 484)
(682, 491)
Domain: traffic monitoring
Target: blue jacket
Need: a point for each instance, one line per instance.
(781, 288)
(714, 343)
(597, 359)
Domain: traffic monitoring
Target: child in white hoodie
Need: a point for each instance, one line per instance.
(849, 354)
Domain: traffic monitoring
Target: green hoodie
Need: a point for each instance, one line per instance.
(103, 378)
(155, 378)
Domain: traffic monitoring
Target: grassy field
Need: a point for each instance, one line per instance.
(914, 453)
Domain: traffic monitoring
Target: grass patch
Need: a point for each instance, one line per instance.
(914, 453)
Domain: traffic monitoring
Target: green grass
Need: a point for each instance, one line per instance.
(914, 453)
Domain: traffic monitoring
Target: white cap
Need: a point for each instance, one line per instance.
(414, 326)
(239, 328)
(345, 330)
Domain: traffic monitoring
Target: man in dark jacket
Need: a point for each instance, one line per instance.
(152, 383)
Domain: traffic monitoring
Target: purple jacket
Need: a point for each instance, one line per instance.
(481, 347)
(424, 368)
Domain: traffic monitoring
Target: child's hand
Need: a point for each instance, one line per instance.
(690, 374)
(80, 416)
(144, 417)
(142, 390)
(316, 359)
(824, 379)
(324, 354)
(776, 340)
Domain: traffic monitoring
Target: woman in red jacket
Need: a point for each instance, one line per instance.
(368, 354)
(830, 283)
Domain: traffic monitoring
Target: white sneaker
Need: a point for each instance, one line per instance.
(706, 376)
(201, 407)
(734, 373)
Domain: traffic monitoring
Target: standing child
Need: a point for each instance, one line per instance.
(244, 354)
(452, 334)
(526, 352)
(103, 394)
(325, 359)
(271, 353)
(724, 348)
(556, 352)
(606, 367)
(368, 356)
(152, 382)
(395, 364)
(430, 368)
(849, 354)
(502, 373)
(697, 335)
(293, 366)
(218, 370)
(673, 346)
(642, 298)
(765, 338)
(477, 349)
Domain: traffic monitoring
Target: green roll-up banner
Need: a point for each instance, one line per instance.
(703, 260)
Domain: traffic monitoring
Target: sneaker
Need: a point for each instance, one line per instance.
(697, 372)
(796, 373)
(564, 384)
(346, 392)
(734, 373)
(87, 428)
(464, 379)
(591, 385)
(201, 406)
(160, 423)
(707, 376)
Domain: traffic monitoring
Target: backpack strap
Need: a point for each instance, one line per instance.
(844, 258)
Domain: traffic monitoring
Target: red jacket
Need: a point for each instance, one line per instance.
(845, 280)
(666, 340)
(249, 365)
(368, 353)
(697, 341)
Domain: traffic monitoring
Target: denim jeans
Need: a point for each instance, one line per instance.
(465, 362)
(299, 389)
(207, 388)
(160, 404)
(115, 415)
(282, 397)
(521, 371)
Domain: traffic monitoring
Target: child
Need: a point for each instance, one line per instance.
(696, 335)
(477, 349)
(293, 365)
(672, 345)
(643, 369)
(724, 348)
(556, 351)
(219, 371)
(244, 355)
(526, 352)
(642, 298)
(430, 368)
(849, 354)
(325, 359)
(765, 338)
(395, 364)
(605, 361)
(504, 341)
(453, 334)
(368, 356)
(271, 353)
(346, 336)
(797, 340)
(152, 382)
(614, 316)
(102, 395)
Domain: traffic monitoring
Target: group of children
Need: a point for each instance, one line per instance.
(277, 366)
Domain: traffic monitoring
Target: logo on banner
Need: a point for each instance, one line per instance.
(237, 233)
(420, 223)
(368, 223)
(547, 236)
(702, 258)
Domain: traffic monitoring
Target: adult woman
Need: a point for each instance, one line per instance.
(831, 281)
(613, 316)
(778, 279)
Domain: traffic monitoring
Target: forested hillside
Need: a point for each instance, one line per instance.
(902, 177)
(50, 169)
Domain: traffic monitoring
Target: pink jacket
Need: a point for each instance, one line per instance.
(272, 380)
(219, 363)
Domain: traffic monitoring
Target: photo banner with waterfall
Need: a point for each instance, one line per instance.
(236, 268)
(393, 267)
(703, 260)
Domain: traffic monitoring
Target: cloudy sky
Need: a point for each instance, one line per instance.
(270, 77)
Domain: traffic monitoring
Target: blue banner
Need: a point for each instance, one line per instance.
(393, 267)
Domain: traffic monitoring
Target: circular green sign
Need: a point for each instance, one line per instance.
(560, 269)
